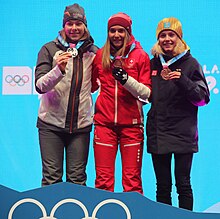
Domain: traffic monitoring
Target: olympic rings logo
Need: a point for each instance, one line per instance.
(17, 80)
(74, 201)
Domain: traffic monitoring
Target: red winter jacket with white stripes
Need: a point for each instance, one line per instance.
(119, 104)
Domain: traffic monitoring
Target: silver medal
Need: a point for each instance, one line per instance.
(73, 52)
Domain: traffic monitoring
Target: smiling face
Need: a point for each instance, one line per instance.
(117, 36)
(74, 30)
(168, 41)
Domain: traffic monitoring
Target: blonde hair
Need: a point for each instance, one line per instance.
(106, 60)
(86, 34)
(180, 47)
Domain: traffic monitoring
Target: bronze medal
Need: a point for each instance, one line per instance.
(165, 73)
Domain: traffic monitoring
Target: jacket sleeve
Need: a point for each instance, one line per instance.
(141, 88)
(95, 73)
(46, 77)
(196, 87)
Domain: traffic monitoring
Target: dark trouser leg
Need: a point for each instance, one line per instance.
(77, 149)
(52, 149)
(183, 163)
(162, 168)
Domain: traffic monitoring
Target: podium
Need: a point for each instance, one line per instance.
(70, 201)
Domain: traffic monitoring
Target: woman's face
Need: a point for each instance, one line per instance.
(117, 35)
(168, 41)
(74, 30)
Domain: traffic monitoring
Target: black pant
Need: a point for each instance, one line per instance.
(53, 145)
(182, 168)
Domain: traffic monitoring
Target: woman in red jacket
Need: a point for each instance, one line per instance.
(123, 72)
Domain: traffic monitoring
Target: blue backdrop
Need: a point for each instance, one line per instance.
(27, 25)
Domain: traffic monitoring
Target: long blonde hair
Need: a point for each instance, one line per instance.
(106, 59)
(180, 47)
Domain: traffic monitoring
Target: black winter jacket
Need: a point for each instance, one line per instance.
(172, 118)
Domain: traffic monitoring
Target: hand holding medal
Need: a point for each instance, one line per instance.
(62, 60)
(175, 74)
(167, 74)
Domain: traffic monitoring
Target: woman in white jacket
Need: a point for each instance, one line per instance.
(63, 77)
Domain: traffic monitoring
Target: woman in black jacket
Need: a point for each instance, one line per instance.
(178, 88)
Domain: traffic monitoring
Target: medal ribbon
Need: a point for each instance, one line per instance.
(69, 45)
(171, 61)
(119, 57)
(72, 45)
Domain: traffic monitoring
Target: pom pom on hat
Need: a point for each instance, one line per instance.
(74, 12)
(121, 19)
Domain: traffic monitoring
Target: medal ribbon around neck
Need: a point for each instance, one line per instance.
(171, 61)
(71, 47)
(119, 57)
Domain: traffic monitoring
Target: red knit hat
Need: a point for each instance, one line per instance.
(121, 19)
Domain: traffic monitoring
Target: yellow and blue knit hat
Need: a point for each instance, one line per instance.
(170, 23)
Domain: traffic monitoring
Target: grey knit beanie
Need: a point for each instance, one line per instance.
(74, 12)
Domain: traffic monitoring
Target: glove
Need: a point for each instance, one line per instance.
(120, 75)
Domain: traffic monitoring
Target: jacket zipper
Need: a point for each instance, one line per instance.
(116, 102)
(74, 96)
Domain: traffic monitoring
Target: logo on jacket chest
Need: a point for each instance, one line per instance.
(154, 73)
(130, 62)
